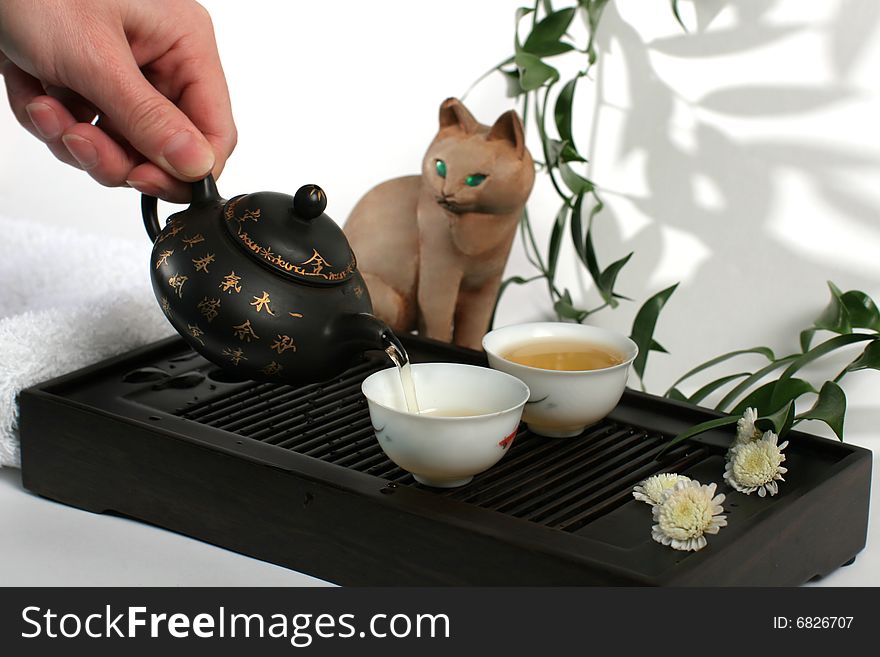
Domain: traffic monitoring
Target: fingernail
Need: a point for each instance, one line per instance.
(188, 155)
(44, 119)
(83, 151)
(144, 187)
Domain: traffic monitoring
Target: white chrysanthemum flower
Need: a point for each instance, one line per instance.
(746, 431)
(686, 514)
(651, 490)
(757, 466)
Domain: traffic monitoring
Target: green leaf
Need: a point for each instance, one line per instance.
(752, 379)
(830, 408)
(531, 245)
(676, 394)
(521, 13)
(587, 252)
(564, 308)
(567, 311)
(675, 12)
(846, 311)
(807, 339)
(575, 182)
(544, 39)
(835, 317)
(870, 358)
(577, 228)
(712, 386)
(556, 240)
(764, 351)
(862, 310)
(593, 265)
(644, 325)
(655, 346)
(511, 79)
(779, 421)
(772, 395)
(594, 10)
(533, 73)
(817, 351)
(553, 49)
(561, 151)
(562, 111)
(703, 427)
(608, 278)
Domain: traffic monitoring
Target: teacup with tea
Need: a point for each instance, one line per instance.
(576, 373)
(466, 420)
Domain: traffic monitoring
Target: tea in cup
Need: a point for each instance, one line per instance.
(576, 373)
(467, 421)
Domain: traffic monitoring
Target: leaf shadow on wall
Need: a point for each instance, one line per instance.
(746, 258)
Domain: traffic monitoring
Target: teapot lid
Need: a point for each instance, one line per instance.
(291, 235)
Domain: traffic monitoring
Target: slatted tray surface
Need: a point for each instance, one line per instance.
(559, 484)
(567, 502)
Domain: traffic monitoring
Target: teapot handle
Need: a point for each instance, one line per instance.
(203, 191)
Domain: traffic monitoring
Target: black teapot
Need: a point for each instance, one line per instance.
(264, 285)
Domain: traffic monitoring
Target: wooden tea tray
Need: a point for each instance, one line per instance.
(294, 476)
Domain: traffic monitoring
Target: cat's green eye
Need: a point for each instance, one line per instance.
(474, 180)
(441, 168)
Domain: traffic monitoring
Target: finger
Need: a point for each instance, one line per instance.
(105, 160)
(47, 118)
(107, 125)
(194, 78)
(148, 121)
(52, 118)
(43, 116)
(222, 135)
(82, 110)
(59, 150)
(21, 89)
(114, 163)
(147, 178)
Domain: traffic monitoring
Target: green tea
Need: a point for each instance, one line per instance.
(452, 412)
(564, 355)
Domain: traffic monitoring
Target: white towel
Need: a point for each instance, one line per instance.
(67, 299)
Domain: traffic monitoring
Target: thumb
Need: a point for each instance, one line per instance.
(149, 121)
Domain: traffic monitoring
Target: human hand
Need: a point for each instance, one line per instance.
(148, 70)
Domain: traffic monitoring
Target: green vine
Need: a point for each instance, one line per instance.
(532, 80)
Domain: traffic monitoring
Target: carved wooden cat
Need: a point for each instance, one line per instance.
(432, 248)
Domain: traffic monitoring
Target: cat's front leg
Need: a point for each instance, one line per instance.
(437, 295)
(473, 313)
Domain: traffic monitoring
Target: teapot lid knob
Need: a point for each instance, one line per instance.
(309, 201)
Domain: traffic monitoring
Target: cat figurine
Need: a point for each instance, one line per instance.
(432, 248)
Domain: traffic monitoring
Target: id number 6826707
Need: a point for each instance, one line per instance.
(812, 622)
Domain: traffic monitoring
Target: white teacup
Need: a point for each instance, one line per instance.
(446, 451)
(563, 403)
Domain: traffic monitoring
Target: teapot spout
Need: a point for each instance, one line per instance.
(359, 332)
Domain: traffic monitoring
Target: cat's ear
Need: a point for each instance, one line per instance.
(454, 114)
(509, 128)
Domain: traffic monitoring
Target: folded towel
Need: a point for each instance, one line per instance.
(67, 299)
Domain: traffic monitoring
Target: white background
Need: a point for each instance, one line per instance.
(740, 159)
